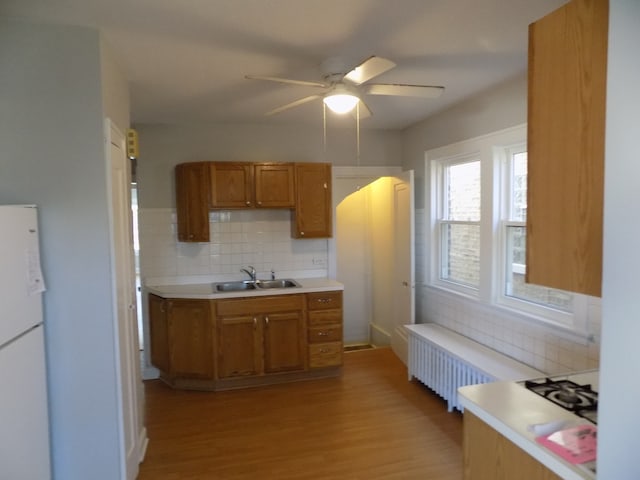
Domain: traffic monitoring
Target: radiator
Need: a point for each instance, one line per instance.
(444, 361)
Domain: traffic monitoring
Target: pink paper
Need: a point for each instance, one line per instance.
(575, 444)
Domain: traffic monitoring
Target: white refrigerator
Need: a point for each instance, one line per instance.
(24, 419)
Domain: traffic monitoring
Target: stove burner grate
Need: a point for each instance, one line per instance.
(579, 399)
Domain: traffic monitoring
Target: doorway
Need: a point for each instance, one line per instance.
(374, 255)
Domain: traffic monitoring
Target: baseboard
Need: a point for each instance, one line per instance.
(400, 344)
(143, 444)
(379, 337)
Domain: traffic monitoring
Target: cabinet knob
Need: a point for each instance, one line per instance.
(302, 234)
(266, 321)
(323, 334)
(259, 203)
(248, 203)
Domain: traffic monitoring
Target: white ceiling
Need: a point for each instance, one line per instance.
(186, 59)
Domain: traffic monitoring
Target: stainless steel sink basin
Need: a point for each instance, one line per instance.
(281, 283)
(234, 286)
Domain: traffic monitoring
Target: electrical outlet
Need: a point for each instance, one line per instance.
(318, 261)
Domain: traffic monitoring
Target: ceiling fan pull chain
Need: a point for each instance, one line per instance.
(358, 140)
(324, 132)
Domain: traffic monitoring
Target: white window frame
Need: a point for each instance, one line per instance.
(438, 168)
(493, 152)
(545, 313)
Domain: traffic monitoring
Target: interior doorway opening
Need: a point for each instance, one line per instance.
(374, 258)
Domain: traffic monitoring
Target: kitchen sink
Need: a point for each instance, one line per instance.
(234, 286)
(281, 283)
(241, 286)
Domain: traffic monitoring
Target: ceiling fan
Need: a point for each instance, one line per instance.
(344, 87)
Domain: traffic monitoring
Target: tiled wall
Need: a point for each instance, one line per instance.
(261, 238)
(543, 347)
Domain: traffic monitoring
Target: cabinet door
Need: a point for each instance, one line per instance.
(191, 338)
(231, 185)
(239, 346)
(489, 455)
(159, 333)
(274, 185)
(284, 342)
(192, 202)
(312, 214)
(566, 120)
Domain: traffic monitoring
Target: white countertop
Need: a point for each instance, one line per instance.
(206, 290)
(510, 408)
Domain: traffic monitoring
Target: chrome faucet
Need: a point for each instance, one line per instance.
(251, 273)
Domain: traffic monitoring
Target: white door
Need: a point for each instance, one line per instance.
(403, 267)
(130, 393)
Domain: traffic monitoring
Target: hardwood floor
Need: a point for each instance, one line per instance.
(371, 423)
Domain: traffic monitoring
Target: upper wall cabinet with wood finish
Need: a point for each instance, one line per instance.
(304, 188)
(192, 201)
(251, 185)
(566, 122)
(312, 215)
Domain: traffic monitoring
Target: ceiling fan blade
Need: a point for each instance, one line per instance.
(400, 90)
(287, 80)
(364, 111)
(370, 68)
(293, 104)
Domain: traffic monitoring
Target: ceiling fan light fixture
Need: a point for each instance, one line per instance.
(341, 99)
(341, 102)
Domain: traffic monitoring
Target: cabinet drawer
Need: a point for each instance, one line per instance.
(324, 300)
(325, 317)
(329, 333)
(325, 355)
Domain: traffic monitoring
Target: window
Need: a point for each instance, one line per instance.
(514, 229)
(459, 222)
(478, 213)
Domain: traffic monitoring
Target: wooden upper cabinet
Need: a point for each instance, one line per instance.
(192, 201)
(312, 216)
(231, 185)
(252, 185)
(274, 185)
(566, 124)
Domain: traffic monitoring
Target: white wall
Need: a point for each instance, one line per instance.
(500, 107)
(52, 154)
(620, 383)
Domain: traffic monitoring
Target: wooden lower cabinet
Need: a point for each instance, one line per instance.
(261, 335)
(159, 333)
(181, 334)
(488, 455)
(246, 341)
(190, 338)
(325, 329)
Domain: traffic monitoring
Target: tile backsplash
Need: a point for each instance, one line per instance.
(261, 238)
(543, 347)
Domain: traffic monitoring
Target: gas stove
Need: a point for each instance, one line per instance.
(570, 392)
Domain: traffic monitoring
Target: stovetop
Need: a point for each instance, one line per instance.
(581, 399)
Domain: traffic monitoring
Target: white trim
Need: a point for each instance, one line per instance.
(492, 152)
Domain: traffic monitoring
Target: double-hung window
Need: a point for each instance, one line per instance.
(458, 222)
(542, 301)
(479, 248)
